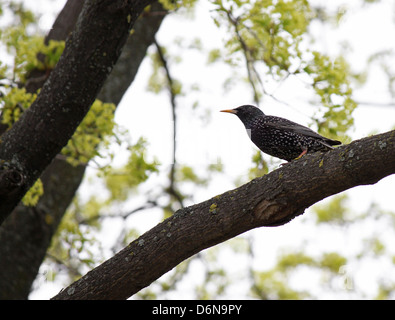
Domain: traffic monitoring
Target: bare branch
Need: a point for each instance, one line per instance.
(171, 87)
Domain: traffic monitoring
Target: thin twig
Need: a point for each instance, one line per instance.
(171, 85)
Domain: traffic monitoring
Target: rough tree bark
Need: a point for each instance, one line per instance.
(27, 233)
(271, 200)
(91, 51)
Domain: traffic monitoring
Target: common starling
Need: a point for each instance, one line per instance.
(280, 137)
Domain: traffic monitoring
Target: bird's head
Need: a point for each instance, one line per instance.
(247, 114)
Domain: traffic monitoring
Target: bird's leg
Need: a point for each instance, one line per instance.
(302, 154)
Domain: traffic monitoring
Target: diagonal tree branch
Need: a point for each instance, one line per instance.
(271, 200)
(91, 51)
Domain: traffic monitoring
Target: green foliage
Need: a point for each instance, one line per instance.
(30, 52)
(335, 211)
(187, 174)
(215, 167)
(3, 71)
(95, 129)
(21, 15)
(52, 53)
(268, 31)
(214, 285)
(260, 166)
(384, 59)
(74, 242)
(375, 246)
(177, 4)
(332, 84)
(272, 33)
(332, 261)
(159, 80)
(214, 55)
(269, 285)
(33, 195)
(137, 170)
(292, 260)
(14, 103)
(274, 283)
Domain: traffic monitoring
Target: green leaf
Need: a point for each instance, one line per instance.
(120, 182)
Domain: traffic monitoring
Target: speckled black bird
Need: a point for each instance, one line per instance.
(280, 137)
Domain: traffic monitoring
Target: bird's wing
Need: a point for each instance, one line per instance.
(288, 125)
(297, 128)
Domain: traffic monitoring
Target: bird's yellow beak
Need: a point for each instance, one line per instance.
(230, 111)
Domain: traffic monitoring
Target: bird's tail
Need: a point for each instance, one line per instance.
(329, 143)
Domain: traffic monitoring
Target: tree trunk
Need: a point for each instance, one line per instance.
(26, 234)
(271, 200)
(91, 51)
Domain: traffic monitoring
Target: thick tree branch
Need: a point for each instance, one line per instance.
(27, 232)
(65, 21)
(61, 28)
(271, 200)
(89, 56)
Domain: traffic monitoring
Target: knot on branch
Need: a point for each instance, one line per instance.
(273, 213)
(10, 180)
